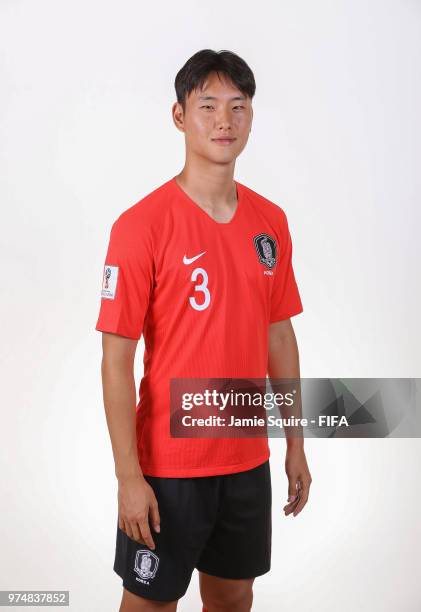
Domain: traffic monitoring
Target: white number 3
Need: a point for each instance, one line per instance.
(203, 286)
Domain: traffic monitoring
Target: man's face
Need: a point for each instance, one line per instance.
(216, 112)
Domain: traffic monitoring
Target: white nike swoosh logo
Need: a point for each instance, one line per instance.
(190, 260)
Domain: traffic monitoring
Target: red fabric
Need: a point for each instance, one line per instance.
(207, 318)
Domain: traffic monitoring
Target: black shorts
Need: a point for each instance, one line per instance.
(220, 525)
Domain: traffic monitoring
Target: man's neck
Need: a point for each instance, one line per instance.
(214, 192)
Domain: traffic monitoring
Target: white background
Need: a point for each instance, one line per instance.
(86, 90)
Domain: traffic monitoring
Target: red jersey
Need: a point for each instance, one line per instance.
(203, 294)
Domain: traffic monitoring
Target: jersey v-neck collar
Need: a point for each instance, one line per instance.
(187, 199)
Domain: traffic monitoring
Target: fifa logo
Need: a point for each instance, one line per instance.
(107, 276)
(265, 247)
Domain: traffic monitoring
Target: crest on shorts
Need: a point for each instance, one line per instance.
(265, 247)
(146, 565)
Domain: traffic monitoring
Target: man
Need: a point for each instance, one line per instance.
(202, 266)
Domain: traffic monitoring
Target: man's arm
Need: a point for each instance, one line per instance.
(283, 362)
(136, 499)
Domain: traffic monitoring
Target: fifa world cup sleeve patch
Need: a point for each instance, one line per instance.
(109, 282)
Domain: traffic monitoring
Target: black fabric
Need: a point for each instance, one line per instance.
(221, 525)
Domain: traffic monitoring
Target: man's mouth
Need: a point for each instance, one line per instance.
(224, 141)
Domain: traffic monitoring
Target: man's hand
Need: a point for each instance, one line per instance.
(299, 479)
(136, 503)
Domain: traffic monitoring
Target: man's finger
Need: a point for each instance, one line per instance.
(128, 529)
(304, 493)
(136, 532)
(155, 518)
(294, 500)
(290, 507)
(292, 490)
(301, 504)
(146, 534)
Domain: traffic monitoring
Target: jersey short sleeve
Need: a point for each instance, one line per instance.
(285, 300)
(128, 278)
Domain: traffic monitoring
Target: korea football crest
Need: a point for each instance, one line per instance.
(146, 565)
(265, 247)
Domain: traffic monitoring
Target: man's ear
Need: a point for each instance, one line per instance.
(178, 116)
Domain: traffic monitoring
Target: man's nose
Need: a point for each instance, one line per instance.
(223, 118)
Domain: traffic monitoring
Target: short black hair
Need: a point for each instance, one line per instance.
(195, 71)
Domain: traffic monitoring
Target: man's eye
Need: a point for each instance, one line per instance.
(239, 106)
(207, 106)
